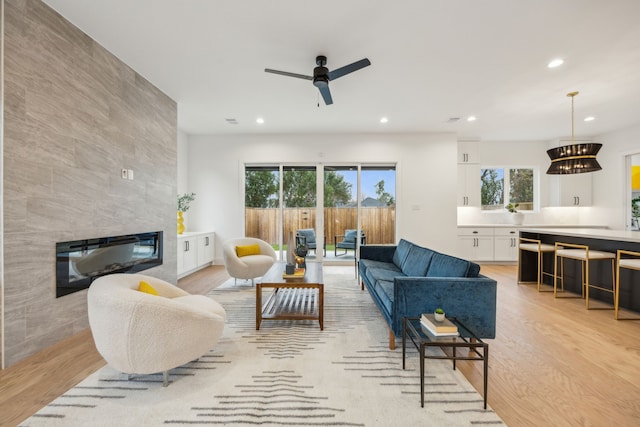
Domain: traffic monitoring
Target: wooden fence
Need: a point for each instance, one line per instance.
(377, 223)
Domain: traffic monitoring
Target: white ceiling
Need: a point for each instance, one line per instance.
(431, 60)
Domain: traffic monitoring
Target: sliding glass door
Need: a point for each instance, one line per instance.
(299, 206)
(262, 216)
(357, 207)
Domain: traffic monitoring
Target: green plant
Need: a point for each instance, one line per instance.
(513, 208)
(184, 201)
(439, 311)
(635, 209)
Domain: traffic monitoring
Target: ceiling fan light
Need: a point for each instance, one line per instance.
(555, 63)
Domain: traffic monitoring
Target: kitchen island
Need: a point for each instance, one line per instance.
(597, 239)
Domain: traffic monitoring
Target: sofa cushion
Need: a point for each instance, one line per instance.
(401, 253)
(375, 274)
(369, 263)
(417, 261)
(384, 290)
(449, 266)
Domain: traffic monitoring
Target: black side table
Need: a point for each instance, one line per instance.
(421, 338)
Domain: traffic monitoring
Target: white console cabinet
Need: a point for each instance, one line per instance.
(195, 251)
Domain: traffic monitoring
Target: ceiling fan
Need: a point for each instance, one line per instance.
(322, 76)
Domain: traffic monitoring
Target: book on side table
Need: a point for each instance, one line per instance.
(445, 328)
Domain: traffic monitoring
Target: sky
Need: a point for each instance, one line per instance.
(369, 179)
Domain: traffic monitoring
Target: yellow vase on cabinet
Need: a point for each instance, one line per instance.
(180, 223)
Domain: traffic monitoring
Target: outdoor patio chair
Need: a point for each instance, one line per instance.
(307, 237)
(348, 241)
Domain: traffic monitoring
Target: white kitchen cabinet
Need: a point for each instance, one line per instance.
(195, 251)
(469, 185)
(571, 190)
(475, 244)
(205, 249)
(468, 152)
(505, 244)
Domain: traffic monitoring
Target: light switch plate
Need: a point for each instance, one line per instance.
(124, 173)
(130, 174)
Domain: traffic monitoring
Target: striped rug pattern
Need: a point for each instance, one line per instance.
(289, 373)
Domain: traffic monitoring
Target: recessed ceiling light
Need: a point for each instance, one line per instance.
(589, 119)
(471, 118)
(555, 63)
(384, 120)
(260, 120)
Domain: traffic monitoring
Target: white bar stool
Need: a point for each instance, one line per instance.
(584, 255)
(534, 245)
(632, 263)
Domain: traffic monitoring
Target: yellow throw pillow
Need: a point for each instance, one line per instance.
(147, 288)
(248, 250)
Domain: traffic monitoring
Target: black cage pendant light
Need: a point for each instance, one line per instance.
(574, 158)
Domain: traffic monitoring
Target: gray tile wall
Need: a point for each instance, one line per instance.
(74, 116)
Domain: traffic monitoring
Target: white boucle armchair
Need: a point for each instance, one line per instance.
(140, 333)
(251, 266)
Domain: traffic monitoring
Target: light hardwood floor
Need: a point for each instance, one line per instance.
(552, 363)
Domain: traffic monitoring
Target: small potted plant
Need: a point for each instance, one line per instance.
(516, 217)
(184, 201)
(438, 315)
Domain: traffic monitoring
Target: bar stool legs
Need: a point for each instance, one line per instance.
(585, 256)
(632, 262)
(534, 245)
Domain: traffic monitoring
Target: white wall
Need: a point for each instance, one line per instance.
(426, 178)
(609, 184)
(183, 159)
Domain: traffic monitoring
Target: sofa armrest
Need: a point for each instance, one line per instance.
(383, 253)
(471, 300)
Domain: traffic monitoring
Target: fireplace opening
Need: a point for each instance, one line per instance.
(80, 262)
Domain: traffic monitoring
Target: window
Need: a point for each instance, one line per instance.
(503, 185)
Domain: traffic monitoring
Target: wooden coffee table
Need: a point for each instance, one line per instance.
(296, 299)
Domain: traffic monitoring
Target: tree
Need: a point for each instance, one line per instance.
(337, 191)
(298, 186)
(261, 189)
(383, 196)
(521, 185)
(492, 188)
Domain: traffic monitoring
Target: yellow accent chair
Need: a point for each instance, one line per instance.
(250, 266)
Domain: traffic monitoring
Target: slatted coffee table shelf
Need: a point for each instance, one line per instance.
(298, 299)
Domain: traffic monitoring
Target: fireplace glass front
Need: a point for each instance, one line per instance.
(79, 262)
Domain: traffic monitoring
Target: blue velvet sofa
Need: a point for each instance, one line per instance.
(408, 280)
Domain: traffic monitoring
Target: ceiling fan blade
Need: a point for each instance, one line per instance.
(326, 94)
(288, 74)
(349, 69)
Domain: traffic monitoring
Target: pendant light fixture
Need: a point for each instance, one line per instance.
(574, 158)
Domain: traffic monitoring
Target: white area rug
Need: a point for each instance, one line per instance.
(286, 374)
